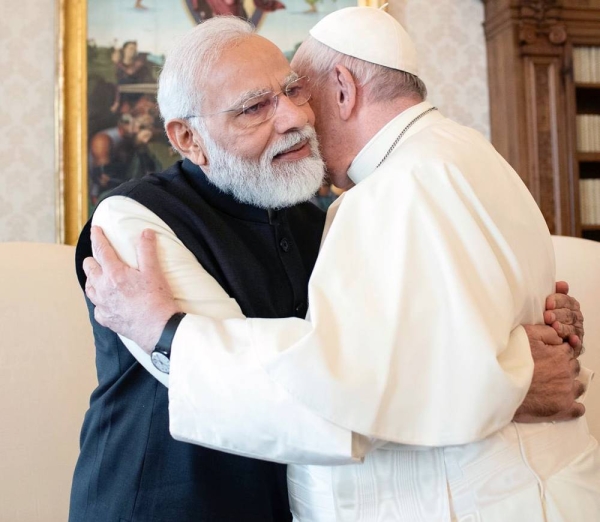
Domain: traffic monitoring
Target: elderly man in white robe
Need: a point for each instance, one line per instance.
(412, 358)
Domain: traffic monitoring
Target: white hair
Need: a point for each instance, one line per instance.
(189, 61)
(381, 83)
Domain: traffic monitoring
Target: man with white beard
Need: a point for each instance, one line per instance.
(240, 216)
(248, 413)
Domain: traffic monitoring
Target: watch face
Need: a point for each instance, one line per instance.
(161, 361)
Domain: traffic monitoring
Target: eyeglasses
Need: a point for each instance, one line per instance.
(260, 108)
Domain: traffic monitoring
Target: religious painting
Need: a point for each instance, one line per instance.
(111, 52)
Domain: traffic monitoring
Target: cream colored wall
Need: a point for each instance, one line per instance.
(448, 35)
(450, 42)
(27, 173)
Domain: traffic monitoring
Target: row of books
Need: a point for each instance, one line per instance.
(586, 64)
(589, 201)
(588, 132)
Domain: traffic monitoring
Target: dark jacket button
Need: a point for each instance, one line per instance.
(285, 245)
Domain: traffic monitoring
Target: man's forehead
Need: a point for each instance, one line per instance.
(251, 66)
(242, 93)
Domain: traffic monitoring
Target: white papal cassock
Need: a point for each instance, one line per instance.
(412, 356)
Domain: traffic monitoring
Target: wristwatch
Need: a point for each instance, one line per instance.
(161, 355)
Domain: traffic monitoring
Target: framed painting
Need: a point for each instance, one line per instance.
(110, 54)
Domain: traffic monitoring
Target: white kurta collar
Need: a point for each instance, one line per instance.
(373, 152)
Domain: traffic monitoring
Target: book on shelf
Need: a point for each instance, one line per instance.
(588, 132)
(589, 201)
(586, 64)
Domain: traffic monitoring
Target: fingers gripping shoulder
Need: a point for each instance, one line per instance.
(123, 220)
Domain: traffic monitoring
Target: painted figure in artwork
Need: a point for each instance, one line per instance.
(205, 9)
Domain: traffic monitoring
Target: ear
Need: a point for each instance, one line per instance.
(345, 91)
(187, 141)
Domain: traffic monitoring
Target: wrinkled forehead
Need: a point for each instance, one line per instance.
(249, 67)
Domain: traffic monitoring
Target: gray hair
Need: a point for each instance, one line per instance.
(381, 83)
(190, 60)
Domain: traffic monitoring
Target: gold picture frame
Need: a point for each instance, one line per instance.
(71, 109)
(71, 124)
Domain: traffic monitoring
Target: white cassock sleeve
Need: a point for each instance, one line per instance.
(259, 418)
(411, 336)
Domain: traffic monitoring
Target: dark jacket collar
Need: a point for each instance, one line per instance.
(223, 202)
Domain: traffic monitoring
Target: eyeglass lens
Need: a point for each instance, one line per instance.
(261, 108)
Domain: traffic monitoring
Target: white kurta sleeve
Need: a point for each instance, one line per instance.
(412, 335)
(218, 398)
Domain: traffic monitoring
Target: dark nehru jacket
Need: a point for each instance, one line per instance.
(130, 469)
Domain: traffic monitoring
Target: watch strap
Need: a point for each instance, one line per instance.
(168, 334)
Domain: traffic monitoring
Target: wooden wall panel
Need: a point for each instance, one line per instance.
(532, 92)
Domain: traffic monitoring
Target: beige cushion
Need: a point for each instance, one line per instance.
(578, 263)
(46, 375)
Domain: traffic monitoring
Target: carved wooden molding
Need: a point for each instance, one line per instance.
(540, 23)
(538, 9)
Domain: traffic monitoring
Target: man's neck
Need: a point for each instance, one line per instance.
(367, 120)
(377, 115)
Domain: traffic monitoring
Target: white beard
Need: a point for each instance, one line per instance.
(262, 183)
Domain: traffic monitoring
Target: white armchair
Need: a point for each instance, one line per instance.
(47, 372)
(578, 263)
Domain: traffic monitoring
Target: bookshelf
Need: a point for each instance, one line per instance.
(586, 75)
(544, 77)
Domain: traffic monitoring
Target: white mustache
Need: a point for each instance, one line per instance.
(290, 140)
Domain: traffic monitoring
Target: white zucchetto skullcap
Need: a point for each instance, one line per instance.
(368, 34)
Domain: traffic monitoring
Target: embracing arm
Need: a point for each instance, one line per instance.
(219, 399)
(236, 336)
(122, 291)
